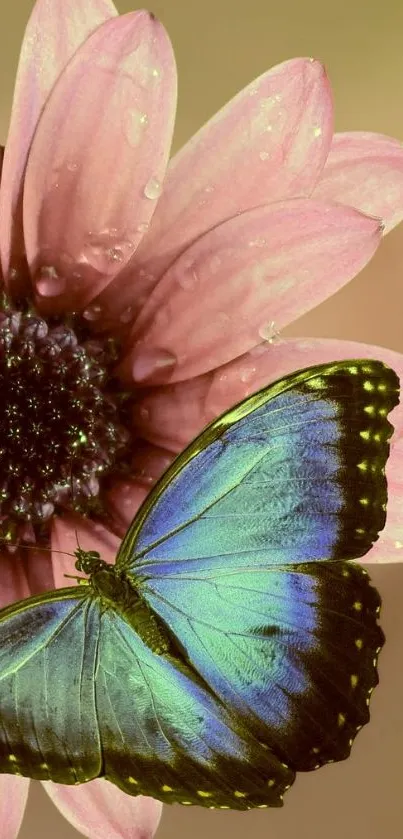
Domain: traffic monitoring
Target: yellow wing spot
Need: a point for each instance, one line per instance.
(367, 368)
(166, 788)
(351, 741)
(360, 531)
(341, 720)
(315, 383)
(382, 387)
(383, 412)
(315, 750)
(204, 794)
(357, 606)
(364, 502)
(289, 785)
(262, 806)
(359, 643)
(223, 807)
(366, 435)
(271, 782)
(353, 370)
(369, 409)
(43, 766)
(285, 765)
(239, 794)
(132, 780)
(367, 385)
(354, 680)
(377, 437)
(12, 759)
(186, 803)
(345, 572)
(363, 466)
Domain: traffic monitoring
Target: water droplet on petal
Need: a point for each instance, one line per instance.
(247, 372)
(152, 189)
(104, 249)
(126, 315)
(144, 413)
(259, 242)
(151, 364)
(49, 282)
(269, 332)
(92, 312)
(135, 123)
(143, 227)
(188, 277)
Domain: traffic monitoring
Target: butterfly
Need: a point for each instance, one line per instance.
(233, 643)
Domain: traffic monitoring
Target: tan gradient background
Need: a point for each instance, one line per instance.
(220, 46)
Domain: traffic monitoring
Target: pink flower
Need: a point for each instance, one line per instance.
(179, 289)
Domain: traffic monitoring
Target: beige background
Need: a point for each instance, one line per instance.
(220, 46)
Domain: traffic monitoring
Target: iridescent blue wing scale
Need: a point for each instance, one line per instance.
(241, 550)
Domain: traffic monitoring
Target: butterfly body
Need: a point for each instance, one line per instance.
(234, 642)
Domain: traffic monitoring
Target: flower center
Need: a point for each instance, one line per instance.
(62, 419)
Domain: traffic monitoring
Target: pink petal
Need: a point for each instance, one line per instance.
(267, 266)
(124, 499)
(38, 571)
(149, 462)
(173, 415)
(13, 799)
(97, 159)
(268, 143)
(365, 171)
(72, 532)
(100, 810)
(13, 580)
(170, 416)
(51, 37)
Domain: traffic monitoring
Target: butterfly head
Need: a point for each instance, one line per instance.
(88, 562)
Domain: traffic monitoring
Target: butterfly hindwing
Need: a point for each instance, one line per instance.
(164, 734)
(82, 696)
(240, 551)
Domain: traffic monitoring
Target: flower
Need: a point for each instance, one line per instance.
(133, 313)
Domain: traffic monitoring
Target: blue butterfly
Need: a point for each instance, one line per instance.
(233, 643)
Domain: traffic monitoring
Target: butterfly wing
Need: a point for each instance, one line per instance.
(48, 722)
(166, 735)
(240, 550)
(82, 696)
